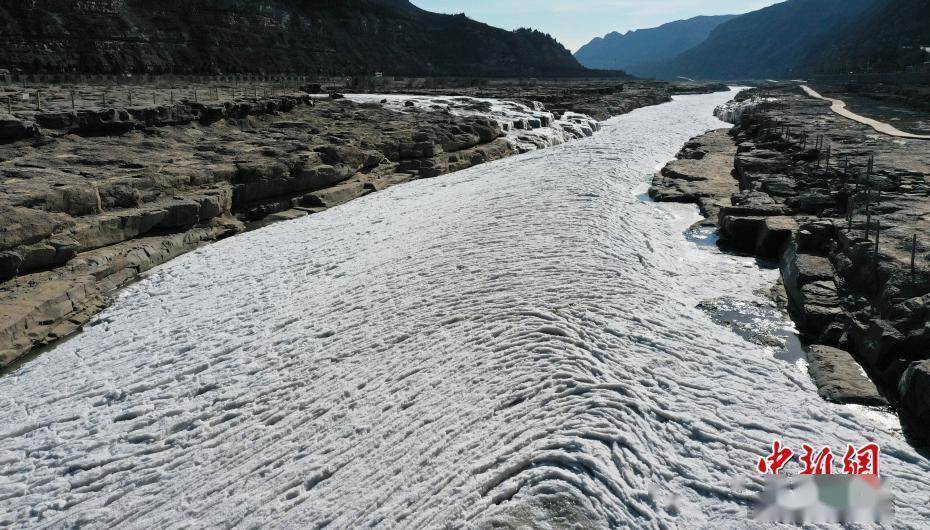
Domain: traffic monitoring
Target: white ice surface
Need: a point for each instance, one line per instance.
(517, 342)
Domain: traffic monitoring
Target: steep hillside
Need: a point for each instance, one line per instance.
(804, 37)
(272, 36)
(771, 42)
(638, 52)
(886, 38)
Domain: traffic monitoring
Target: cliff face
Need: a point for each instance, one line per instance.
(331, 37)
(638, 52)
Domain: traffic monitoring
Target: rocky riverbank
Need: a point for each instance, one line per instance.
(92, 196)
(845, 212)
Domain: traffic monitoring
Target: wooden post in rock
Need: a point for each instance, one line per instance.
(878, 236)
(868, 212)
(850, 211)
(914, 260)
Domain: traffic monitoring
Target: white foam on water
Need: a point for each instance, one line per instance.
(515, 343)
(526, 125)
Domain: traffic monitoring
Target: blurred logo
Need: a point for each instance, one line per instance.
(827, 490)
(815, 499)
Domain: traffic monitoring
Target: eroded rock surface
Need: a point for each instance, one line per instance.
(701, 174)
(845, 210)
(840, 379)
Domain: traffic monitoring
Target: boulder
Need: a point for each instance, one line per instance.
(879, 343)
(778, 185)
(335, 195)
(914, 391)
(816, 236)
(811, 201)
(774, 234)
(741, 232)
(840, 379)
(9, 265)
(818, 306)
(13, 129)
(180, 213)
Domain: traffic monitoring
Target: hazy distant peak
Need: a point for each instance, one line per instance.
(636, 49)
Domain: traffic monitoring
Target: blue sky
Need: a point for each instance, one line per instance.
(575, 22)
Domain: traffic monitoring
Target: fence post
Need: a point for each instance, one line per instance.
(868, 212)
(850, 210)
(914, 260)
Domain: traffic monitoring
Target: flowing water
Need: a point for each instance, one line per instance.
(520, 343)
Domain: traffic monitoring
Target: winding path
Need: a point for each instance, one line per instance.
(839, 107)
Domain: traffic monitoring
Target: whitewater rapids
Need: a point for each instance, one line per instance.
(516, 343)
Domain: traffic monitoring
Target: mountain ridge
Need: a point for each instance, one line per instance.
(326, 37)
(639, 51)
(798, 38)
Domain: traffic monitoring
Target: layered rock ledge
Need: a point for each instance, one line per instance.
(845, 211)
(702, 174)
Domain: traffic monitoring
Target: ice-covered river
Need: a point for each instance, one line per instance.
(515, 343)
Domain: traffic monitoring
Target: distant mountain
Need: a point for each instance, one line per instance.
(638, 52)
(336, 37)
(802, 37)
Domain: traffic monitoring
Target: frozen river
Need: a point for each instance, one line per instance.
(516, 343)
